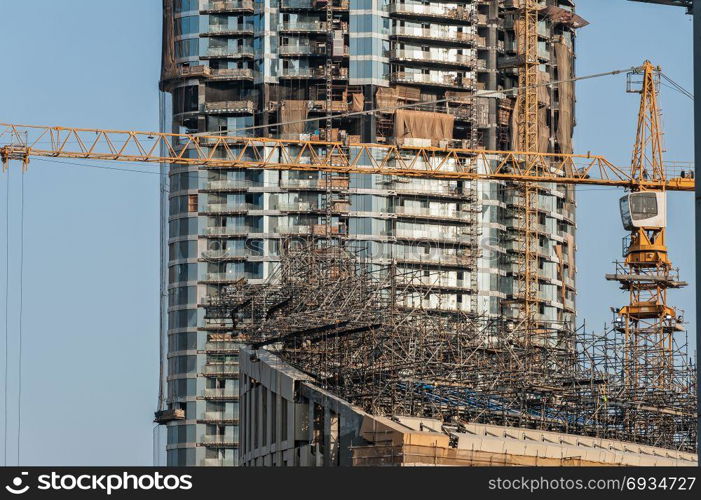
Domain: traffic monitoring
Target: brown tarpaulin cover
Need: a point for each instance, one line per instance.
(560, 15)
(563, 57)
(293, 111)
(571, 254)
(358, 103)
(514, 124)
(168, 67)
(543, 89)
(561, 272)
(386, 98)
(543, 129)
(423, 124)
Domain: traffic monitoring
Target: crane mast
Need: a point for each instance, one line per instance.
(526, 279)
(647, 323)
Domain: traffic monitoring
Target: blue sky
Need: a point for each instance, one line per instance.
(90, 309)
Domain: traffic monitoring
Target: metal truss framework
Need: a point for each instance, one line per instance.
(358, 330)
(22, 142)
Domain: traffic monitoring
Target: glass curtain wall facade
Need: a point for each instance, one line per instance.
(269, 68)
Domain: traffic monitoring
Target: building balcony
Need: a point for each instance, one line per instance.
(232, 74)
(222, 186)
(435, 33)
(221, 277)
(246, 29)
(219, 441)
(218, 417)
(292, 230)
(433, 78)
(457, 236)
(302, 73)
(221, 394)
(215, 74)
(296, 207)
(193, 71)
(428, 213)
(301, 5)
(229, 370)
(228, 7)
(443, 58)
(438, 260)
(221, 347)
(227, 53)
(226, 231)
(415, 10)
(305, 27)
(230, 108)
(227, 255)
(302, 50)
(435, 282)
(217, 462)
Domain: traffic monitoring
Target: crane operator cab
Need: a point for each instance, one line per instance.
(644, 209)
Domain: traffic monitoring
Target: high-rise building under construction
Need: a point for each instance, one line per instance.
(349, 71)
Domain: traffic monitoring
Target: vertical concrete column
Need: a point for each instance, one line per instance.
(332, 423)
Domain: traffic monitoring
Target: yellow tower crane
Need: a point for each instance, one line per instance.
(648, 323)
(648, 273)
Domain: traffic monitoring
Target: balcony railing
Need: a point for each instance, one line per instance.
(434, 34)
(221, 29)
(231, 73)
(297, 4)
(435, 281)
(418, 234)
(310, 26)
(221, 393)
(433, 56)
(313, 4)
(224, 6)
(223, 254)
(218, 440)
(226, 52)
(217, 462)
(226, 231)
(302, 73)
(446, 260)
(221, 346)
(438, 11)
(221, 369)
(429, 212)
(294, 50)
(295, 207)
(433, 78)
(292, 229)
(219, 416)
(230, 107)
(222, 277)
(223, 185)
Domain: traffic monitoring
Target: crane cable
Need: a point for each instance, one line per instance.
(7, 310)
(675, 86)
(489, 93)
(7, 316)
(21, 314)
